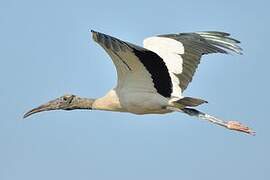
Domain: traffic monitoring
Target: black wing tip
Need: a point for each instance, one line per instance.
(93, 31)
(97, 36)
(216, 33)
(96, 33)
(222, 40)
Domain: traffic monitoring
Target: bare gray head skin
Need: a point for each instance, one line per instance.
(66, 102)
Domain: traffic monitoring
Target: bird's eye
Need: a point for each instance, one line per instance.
(67, 99)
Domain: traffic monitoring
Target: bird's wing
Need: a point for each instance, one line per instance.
(182, 52)
(137, 68)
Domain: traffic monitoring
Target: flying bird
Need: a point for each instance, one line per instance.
(152, 78)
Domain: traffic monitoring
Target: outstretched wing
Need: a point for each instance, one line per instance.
(138, 69)
(182, 52)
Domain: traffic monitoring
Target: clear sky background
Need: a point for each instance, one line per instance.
(46, 51)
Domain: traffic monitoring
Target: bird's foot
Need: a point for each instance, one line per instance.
(237, 126)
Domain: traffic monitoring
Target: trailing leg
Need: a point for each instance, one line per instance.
(232, 125)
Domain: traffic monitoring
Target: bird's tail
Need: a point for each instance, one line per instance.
(221, 40)
(188, 102)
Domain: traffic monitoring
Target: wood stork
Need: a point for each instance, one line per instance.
(151, 79)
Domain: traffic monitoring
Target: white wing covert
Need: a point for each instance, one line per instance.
(182, 52)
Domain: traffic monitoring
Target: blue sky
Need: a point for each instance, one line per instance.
(46, 51)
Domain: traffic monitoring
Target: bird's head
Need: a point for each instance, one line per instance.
(65, 102)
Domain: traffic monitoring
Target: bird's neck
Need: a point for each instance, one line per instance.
(84, 103)
(110, 102)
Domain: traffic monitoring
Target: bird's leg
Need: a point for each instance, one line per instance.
(232, 125)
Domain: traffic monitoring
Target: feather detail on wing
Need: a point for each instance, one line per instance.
(138, 69)
(182, 52)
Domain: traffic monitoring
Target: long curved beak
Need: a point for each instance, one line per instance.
(51, 105)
